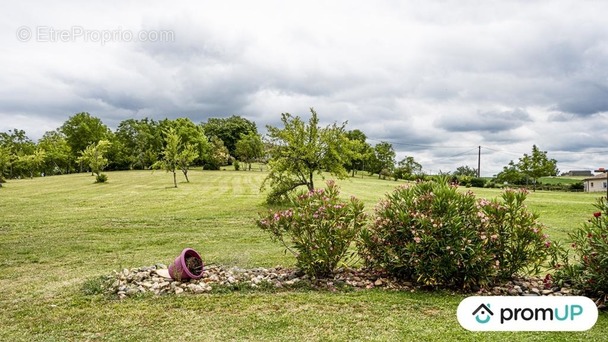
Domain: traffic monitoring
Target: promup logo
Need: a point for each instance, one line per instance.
(481, 311)
(527, 313)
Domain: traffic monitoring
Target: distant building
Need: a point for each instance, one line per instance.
(596, 183)
(578, 173)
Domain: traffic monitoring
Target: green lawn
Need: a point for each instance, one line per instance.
(58, 232)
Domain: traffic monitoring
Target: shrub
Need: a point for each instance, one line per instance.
(433, 234)
(584, 265)
(237, 165)
(478, 182)
(320, 227)
(101, 178)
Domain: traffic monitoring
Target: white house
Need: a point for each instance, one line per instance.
(596, 183)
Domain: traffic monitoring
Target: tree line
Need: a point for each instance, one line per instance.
(294, 152)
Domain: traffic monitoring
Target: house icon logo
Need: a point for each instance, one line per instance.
(483, 314)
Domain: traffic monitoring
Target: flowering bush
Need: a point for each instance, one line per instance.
(320, 227)
(431, 233)
(585, 265)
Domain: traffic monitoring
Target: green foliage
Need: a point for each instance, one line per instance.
(530, 167)
(249, 148)
(433, 234)
(58, 154)
(94, 156)
(141, 142)
(465, 171)
(478, 182)
(237, 165)
(407, 168)
(321, 228)
(299, 151)
(584, 265)
(219, 155)
(383, 159)
(230, 131)
(176, 155)
(101, 178)
(81, 130)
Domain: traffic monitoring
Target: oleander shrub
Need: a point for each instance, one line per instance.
(585, 264)
(436, 235)
(318, 229)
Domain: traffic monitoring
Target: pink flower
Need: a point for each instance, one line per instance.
(417, 239)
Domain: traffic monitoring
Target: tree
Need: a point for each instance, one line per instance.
(218, 156)
(510, 174)
(406, 168)
(537, 165)
(358, 150)
(229, 130)
(189, 133)
(249, 148)
(5, 162)
(18, 146)
(299, 151)
(141, 142)
(169, 161)
(81, 130)
(32, 162)
(176, 155)
(94, 156)
(186, 155)
(465, 171)
(383, 159)
(57, 151)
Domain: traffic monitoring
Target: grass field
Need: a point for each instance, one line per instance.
(56, 233)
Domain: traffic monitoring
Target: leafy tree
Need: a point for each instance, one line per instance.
(406, 168)
(186, 155)
(358, 150)
(510, 174)
(176, 155)
(465, 171)
(189, 133)
(94, 156)
(229, 130)
(141, 142)
(32, 162)
(18, 145)
(383, 159)
(537, 165)
(219, 155)
(81, 130)
(57, 152)
(5, 162)
(249, 148)
(299, 151)
(170, 158)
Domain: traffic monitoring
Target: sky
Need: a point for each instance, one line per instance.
(437, 79)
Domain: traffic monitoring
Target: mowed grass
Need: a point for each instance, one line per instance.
(56, 233)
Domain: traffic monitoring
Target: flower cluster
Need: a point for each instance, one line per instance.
(318, 229)
(585, 265)
(432, 233)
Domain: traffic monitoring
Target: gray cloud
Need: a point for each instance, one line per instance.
(430, 77)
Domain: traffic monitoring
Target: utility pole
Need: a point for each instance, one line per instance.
(605, 172)
(479, 162)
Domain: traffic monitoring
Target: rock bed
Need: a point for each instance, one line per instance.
(136, 281)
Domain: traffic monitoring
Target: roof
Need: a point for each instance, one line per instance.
(596, 177)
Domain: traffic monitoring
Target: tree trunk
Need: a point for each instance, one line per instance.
(311, 184)
(186, 175)
(174, 179)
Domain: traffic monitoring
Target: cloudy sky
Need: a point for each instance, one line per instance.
(437, 79)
